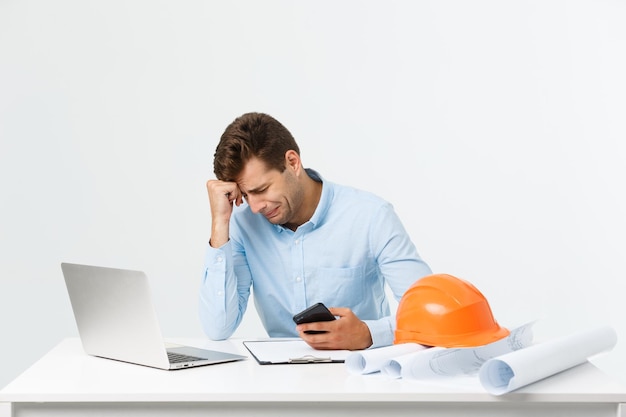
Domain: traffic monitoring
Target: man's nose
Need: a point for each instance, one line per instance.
(256, 204)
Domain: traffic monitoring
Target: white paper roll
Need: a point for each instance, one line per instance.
(522, 367)
(373, 360)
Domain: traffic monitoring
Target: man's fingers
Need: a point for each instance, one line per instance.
(224, 190)
(340, 311)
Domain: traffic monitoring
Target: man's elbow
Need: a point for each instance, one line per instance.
(216, 334)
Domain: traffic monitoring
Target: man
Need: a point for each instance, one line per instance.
(299, 240)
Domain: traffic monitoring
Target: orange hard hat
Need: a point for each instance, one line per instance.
(442, 310)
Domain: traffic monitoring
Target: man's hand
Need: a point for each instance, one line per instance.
(347, 332)
(222, 195)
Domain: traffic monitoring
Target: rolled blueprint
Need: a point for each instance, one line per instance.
(522, 367)
(373, 360)
(467, 361)
(438, 362)
(411, 365)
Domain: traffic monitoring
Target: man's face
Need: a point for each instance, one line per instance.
(276, 195)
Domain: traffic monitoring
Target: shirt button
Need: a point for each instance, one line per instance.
(298, 279)
(220, 293)
(297, 242)
(219, 259)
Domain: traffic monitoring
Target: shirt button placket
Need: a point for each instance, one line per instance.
(297, 262)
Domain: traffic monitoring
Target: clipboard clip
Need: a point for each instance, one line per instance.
(309, 359)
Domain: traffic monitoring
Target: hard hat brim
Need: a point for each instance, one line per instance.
(455, 341)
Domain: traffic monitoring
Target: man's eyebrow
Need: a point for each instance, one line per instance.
(257, 189)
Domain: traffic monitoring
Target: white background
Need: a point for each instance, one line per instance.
(496, 128)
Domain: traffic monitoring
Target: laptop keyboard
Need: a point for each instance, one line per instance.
(178, 358)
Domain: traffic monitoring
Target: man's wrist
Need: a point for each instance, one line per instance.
(381, 331)
(219, 235)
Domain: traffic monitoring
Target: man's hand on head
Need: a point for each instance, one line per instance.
(347, 332)
(222, 195)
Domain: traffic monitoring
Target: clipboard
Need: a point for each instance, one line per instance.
(291, 351)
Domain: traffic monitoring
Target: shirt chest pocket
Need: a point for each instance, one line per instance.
(337, 287)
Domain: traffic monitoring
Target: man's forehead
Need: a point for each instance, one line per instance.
(255, 174)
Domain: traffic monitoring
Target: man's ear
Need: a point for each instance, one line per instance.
(292, 161)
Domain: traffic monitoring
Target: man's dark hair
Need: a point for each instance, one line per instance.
(252, 135)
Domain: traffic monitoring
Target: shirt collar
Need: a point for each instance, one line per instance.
(325, 198)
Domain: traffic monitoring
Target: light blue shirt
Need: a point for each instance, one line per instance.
(343, 256)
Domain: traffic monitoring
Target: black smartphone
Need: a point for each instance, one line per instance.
(317, 312)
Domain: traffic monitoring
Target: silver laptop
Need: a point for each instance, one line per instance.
(116, 320)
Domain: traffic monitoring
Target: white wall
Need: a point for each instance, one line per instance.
(497, 129)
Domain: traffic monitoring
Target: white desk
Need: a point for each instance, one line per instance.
(67, 382)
